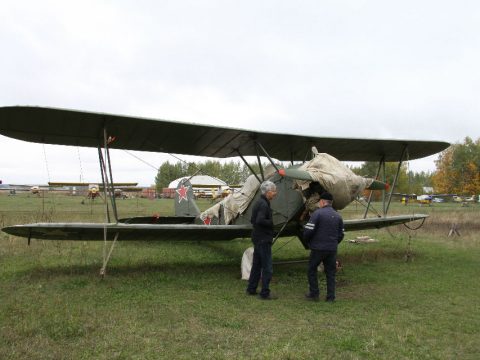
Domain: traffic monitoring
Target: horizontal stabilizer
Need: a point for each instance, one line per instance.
(378, 185)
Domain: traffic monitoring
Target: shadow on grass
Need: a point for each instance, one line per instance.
(185, 268)
(233, 248)
(226, 251)
(131, 270)
(373, 255)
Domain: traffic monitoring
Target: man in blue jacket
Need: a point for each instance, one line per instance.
(262, 238)
(323, 233)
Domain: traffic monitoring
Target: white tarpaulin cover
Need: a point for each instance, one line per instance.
(237, 202)
(247, 261)
(336, 178)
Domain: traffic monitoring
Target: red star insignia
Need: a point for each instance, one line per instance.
(182, 193)
(207, 221)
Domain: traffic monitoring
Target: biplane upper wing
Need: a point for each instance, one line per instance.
(80, 128)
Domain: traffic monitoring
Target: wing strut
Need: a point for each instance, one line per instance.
(249, 167)
(400, 161)
(102, 167)
(266, 154)
(107, 179)
(260, 166)
(380, 164)
(258, 146)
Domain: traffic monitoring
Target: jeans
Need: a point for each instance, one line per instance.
(262, 266)
(329, 259)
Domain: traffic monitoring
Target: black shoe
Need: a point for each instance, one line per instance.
(250, 292)
(268, 297)
(311, 297)
(331, 301)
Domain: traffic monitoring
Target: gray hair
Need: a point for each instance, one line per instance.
(267, 186)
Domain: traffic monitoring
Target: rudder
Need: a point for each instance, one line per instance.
(185, 200)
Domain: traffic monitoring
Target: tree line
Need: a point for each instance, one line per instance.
(232, 172)
(408, 182)
(457, 171)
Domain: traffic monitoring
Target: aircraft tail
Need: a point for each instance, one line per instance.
(185, 200)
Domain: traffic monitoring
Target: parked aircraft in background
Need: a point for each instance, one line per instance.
(94, 190)
(33, 189)
(425, 199)
(467, 199)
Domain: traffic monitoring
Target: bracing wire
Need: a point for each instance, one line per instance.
(370, 208)
(409, 252)
(417, 227)
(185, 162)
(46, 162)
(140, 159)
(288, 242)
(106, 257)
(80, 163)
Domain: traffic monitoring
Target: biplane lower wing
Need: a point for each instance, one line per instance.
(149, 232)
(175, 232)
(381, 222)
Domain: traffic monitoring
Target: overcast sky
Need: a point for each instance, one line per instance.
(378, 69)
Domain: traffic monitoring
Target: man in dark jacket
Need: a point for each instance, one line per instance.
(262, 238)
(323, 233)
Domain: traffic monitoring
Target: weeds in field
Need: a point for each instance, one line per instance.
(185, 300)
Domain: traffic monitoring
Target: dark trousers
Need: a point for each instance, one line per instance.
(329, 259)
(261, 267)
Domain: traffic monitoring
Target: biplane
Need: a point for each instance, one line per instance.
(94, 190)
(464, 199)
(424, 199)
(310, 158)
(33, 189)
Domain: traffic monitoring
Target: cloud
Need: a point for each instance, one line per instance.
(346, 68)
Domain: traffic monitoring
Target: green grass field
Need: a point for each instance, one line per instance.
(186, 300)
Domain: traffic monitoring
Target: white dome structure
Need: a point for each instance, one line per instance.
(201, 181)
